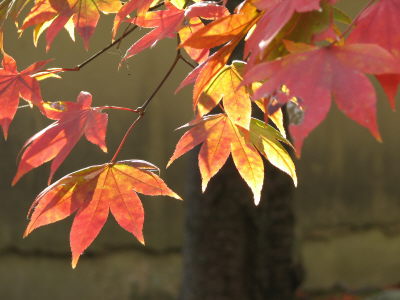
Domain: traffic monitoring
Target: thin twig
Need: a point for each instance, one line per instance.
(128, 131)
(81, 65)
(187, 62)
(117, 41)
(171, 68)
(142, 109)
(125, 31)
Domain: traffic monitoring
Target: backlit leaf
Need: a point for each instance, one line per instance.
(227, 85)
(56, 141)
(13, 85)
(380, 24)
(220, 137)
(84, 13)
(334, 70)
(92, 193)
(268, 140)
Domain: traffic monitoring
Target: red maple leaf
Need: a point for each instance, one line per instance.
(56, 141)
(327, 71)
(14, 84)
(92, 193)
(380, 24)
(168, 22)
(277, 14)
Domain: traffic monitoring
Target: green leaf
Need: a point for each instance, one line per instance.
(267, 141)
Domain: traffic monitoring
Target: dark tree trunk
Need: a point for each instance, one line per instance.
(233, 249)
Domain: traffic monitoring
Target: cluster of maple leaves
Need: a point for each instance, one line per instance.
(300, 54)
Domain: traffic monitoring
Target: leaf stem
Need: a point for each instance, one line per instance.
(119, 108)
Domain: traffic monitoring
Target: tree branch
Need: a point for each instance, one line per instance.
(142, 109)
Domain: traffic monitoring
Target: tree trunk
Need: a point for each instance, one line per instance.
(233, 249)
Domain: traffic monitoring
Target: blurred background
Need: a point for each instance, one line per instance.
(347, 205)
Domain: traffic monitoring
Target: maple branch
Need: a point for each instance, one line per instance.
(128, 131)
(186, 61)
(94, 56)
(171, 68)
(142, 109)
(125, 31)
(116, 42)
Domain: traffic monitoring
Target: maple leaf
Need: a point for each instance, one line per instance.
(168, 22)
(268, 104)
(92, 193)
(198, 55)
(56, 13)
(223, 29)
(203, 75)
(220, 137)
(307, 27)
(268, 140)
(56, 141)
(14, 84)
(227, 85)
(277, 14)
(142, 6)
(380, 24)
(334, 70)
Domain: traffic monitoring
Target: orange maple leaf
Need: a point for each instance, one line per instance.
(221, 137)
(227, 86)
(228, 30)
(93, 192)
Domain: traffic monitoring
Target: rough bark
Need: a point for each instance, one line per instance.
(234, 250)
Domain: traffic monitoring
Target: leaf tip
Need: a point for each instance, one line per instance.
(204, 182)
(74, 262)
(176, 196)
(26, 232)
(15, 179)
(295, 182)
(377, 136)
(257, 198)
(169, 163)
